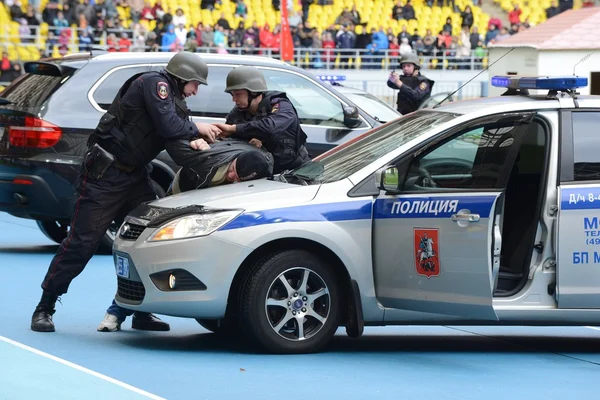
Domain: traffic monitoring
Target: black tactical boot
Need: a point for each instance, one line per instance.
(148, 322)
(41, 321)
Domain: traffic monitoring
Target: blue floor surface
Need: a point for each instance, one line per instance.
(190, 363)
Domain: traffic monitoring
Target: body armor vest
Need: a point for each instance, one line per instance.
(137, 139)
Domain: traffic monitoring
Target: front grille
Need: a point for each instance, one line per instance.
(130, 290)
(131, 231)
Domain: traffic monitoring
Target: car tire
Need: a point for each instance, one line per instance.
(275, 327)
(53, 230)
(111, 233)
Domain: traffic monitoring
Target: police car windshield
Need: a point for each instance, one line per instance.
(348, 158)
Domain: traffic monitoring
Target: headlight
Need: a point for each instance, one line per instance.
(193, 225)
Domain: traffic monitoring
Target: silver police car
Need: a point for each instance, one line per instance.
(476, 212)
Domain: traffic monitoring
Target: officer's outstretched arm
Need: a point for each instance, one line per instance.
(282, 116)
(416, 94)
(160, 104)
(392, 85)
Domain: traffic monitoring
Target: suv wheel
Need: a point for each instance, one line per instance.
(57, 231)
(292, 303)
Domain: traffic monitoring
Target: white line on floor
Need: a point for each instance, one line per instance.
(82, 369)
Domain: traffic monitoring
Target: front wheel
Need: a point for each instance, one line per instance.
(292, 303)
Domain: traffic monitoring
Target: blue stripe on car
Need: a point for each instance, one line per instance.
(584, 198)
(404, 207)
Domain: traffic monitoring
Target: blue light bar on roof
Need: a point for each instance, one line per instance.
(540, 82)
(334, 78)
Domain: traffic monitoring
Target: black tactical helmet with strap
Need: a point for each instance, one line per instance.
(246, 78)
(188, 67)
(410, 58)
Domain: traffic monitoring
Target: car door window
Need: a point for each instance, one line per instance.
(480, 158)
(585, 146)
(315, 105)
(107, 90)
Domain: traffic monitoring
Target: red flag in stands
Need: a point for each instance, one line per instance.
(287, 44)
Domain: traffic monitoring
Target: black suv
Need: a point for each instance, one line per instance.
(47, 114)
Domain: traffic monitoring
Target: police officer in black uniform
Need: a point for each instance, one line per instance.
(148, 109)
(267, 116)
(414, 87)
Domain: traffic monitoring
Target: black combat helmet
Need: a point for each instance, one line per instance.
(188, 67)
(410, 58)
(246, 77)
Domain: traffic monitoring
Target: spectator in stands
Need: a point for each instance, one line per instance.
(85, 41)
(448, 26)
(345, 43)
(372, 58)
(223, 22)
(491, 34)
(16, 13)
(408, 11)
(394, 53)
(50, 12)
(169, 39)
(345, 17)
(475, 37)
(69, 14)
(414, 38)
(146, 13)
(124, 42)
(181, 32)
(553, 10)
(179, 18)
(32, 19)
(495, 21)
(295, 18)
(467, 17)
(502, 35)
(514, 17)
(397, 11)
(60, 22)
(239, 35)
(405, 48)
(208, 36)
(429, 43)
(356, 19)
(5, 66)
(219, 36)
(157, 10)
(241, 9)
(464, 48)
(403, 34)
(86, 9)
(566, 5)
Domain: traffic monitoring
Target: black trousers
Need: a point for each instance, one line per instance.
(99, 203)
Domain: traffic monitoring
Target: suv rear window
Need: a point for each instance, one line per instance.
(32, 90)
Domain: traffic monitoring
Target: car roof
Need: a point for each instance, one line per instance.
(208, 57)
(511, 103)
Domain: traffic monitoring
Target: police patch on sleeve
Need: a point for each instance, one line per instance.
(275, 108)
(163, 90)
(423, 86)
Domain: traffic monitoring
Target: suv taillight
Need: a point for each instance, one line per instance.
(36, 133)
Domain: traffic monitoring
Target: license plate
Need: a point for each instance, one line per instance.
(122, 267)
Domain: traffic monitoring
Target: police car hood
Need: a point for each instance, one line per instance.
(252, 195)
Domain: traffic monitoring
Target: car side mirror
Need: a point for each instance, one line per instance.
(388, 179)
(351, 116)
